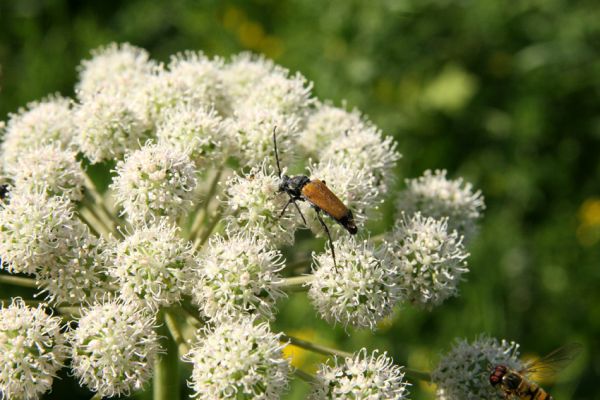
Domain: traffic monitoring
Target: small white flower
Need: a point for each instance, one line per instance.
(237, 275)
(364, 148)
(79, 275)
(436, 196)
(44, 122)
(108, 126)
(120, 68)
(463, 373)
(152, 265)
(36, 231)
(243, 72)
(32, 350)
(430, 260)
(362, 377)
(325, 125)
(198, 131)
(256, 204)
(360, 291)
(155, 181)
(252, 134)
(239, 360)
(113, 348)
(278, 91)
(52, 169)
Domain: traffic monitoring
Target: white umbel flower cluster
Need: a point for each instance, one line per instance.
(430, 260)
(153, 182)
(48, 121)
(238, 275)
(463, 373)
(32, 350)
(152, 265)
(360, 290)
(436, 196)
(113, 348)
(52, 169)
(361, 377)
(239, 360)
(256, 204)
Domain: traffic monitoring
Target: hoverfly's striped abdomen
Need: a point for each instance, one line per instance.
(318, 194)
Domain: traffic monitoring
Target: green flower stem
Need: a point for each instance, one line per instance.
(166, 366)
(18, 281)
(191, 312)
(101, 205)
(296, 283)
(305, 376)
(90, 212)
(86, 220)
(176, 334)
(201, 210)
(97, 396)
(202, 238)
(327, 351)
(418, 375)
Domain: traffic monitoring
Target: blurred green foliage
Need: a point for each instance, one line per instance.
(503, 93)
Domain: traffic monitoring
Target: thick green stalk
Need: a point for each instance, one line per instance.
(296, 283)
(305, 376)
(18, 281)
(327, 351)
(166, 366)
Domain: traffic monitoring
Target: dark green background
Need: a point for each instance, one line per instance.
(504, 93)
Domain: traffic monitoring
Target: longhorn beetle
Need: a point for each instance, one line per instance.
(318, 195)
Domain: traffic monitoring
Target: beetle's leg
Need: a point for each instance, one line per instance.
(300, 212)
(318, 211)
(291, 200)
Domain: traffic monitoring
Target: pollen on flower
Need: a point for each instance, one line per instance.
(32, 350)
(436, 196)
(361, 377)
(155, 181)
(114, 347)
(430, 261)
(152, 265)
(463, 373)
(50, 120)
(238, 275)
(360, 290)
(240, 359)
(241, 75)
(51, 169)
(256, 204)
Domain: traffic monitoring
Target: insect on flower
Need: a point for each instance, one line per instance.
(318, 195)
(3, 191)
(518, 385)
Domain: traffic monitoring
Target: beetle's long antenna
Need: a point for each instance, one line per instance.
(276, 152)
(291, 200)
(328, 235)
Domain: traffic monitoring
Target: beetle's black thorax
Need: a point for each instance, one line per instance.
(293, 185)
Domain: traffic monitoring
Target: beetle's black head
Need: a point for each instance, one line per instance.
(293, 185)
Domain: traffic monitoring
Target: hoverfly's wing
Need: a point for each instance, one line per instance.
(552, 362)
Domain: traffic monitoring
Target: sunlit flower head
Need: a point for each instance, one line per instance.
(36, 231)
(240, 360)
(359, 290)
(52, 169)
(361, 377)
(113, 348)
(256, 204)
(121, 68)
(238, 275)
(50, 120)
(155, 181)
(108, 126)
(32, 350)
(197, 131)
(152, 265)
(430, 260)
(436, 196)
(463, 373)
(244, 72)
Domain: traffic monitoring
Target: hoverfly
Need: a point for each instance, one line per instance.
(518, 385)
(318, 195)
